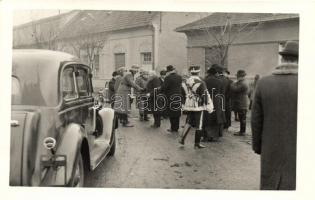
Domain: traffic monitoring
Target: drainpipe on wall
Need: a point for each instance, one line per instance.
(155, 43)
(153, 47)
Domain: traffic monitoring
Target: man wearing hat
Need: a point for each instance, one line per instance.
(223, 77)
(274, 122)
(240, 100)
(195, 92)
(122, 104)
(213, 122)
(171, 88)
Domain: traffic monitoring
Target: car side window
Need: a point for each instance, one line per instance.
(68, 85)
(83, 82)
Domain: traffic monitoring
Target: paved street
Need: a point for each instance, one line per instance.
(152, 158)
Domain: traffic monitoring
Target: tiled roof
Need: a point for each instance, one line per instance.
(93, 21)
(45, 29)
(220, 19)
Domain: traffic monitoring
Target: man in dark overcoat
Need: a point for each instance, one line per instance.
(223, 76)
(274, 122)
(240, 103)
(213, 122)
(156, 100)
(171, 88)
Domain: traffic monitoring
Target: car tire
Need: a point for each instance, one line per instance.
(113, 147)
(77, 179)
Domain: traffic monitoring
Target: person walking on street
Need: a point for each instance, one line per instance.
(274, 122)
(156, 102)
(141, 81)
(240, 90)
(213, 125)
(122, 97)
(196, 99)
(171, 88)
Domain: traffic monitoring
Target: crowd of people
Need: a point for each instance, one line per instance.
(167, 97)
(208, 102)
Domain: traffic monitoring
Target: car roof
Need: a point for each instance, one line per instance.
(37, 71)
(39, 54)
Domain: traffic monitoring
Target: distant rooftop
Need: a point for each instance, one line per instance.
(94, 21)
(46, 19)
(219, 19)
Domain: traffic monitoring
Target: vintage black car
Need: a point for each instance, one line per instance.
(58, 130)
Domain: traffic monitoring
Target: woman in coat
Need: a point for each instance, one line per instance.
(274, 122)
(156, 103)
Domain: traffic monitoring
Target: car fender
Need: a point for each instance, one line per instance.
(107, 115)
(69, 146)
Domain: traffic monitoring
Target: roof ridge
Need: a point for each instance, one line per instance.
(205, 22)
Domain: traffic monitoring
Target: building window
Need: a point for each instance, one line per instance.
(119, 60)
(146, 58)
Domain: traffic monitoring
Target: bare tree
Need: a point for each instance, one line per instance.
(89, 45)
(220, 38)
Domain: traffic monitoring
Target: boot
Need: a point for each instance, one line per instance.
(184, 134)
(199, 146)
(197, 140)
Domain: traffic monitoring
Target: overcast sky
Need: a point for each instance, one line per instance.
(24, 16)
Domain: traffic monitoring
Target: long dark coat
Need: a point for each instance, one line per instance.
(274, 127)
(239, 99)
(156, 104)
(226, 91)
(215, 89)
(172, 89)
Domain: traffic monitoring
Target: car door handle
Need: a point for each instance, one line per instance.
(15, 123)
